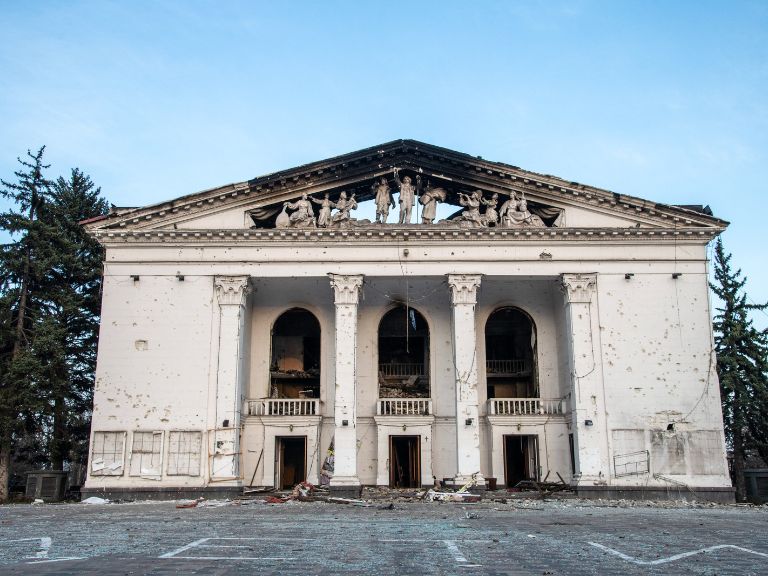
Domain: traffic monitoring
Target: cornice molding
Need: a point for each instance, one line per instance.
(414, 232)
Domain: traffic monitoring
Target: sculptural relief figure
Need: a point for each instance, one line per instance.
(407, 196)
(491, 216)
(430, 200)
(343, 207)
(303, 215)
(514, 213)
(471, 214)
(383, 200)
(324, 216)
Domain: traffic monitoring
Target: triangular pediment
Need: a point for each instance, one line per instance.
(552, 202)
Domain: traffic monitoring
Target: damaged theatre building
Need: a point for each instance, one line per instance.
(402, 314)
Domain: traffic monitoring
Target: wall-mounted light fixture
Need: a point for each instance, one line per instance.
(588, 422)
(628, 276)
(135, 277)
(180, 277)
(468, 421)
(345, 422)
(676, 275)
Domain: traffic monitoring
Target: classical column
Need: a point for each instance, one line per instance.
(346, 290)
(231, 292)
(463, 299)
(589, 426)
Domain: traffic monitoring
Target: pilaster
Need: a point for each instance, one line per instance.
(463, 300)
(589, 417)
(231, 293)
(346, 290)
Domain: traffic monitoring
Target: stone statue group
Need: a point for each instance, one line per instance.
(513, 213)
(303, 216)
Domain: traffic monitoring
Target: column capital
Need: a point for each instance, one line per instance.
(231, 290)
(578, 288)
(464, 288)
(346, 288)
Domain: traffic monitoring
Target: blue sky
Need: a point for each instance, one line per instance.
(663, 100)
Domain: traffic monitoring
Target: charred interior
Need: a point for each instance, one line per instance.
(510, 353)
(403, 354)
(295, 363)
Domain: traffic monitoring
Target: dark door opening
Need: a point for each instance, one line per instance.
(405, 461)
(291, 458)
(520, 459)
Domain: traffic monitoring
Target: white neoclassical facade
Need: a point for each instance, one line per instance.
(263, 333)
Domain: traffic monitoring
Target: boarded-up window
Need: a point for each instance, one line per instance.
(146, 454)
(184, 453)
(107, 453)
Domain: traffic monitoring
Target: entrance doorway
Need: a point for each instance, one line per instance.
(520, 459)
(291, 458)
(405, 461)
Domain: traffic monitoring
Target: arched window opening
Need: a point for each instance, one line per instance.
(510, 355)
(403, 354)
(295, 364)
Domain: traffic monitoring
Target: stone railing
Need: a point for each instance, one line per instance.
(507, 367)
(400, 369)
(526, 406)
(404, 407)
(283, 407)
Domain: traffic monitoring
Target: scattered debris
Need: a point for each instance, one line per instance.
(467, 497)
(352, 501)
(303, 491)
(95, 500)
(259, 489)
(37, 501)
(217, 503)
(189, 503)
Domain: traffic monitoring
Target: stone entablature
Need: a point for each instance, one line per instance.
(696, 235)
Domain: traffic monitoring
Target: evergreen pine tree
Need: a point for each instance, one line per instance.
(74, 317)
(742, 367)
(24, 263)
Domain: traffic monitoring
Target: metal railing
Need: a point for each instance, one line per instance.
(401, 370)
(283, 407)
(404, 406)
(510, 367)
(526, 406)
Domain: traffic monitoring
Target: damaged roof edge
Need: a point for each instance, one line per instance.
(404, 145)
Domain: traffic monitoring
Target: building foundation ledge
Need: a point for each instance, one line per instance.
(345, 487)
(348, 491)
(719, 494)
(162, 493)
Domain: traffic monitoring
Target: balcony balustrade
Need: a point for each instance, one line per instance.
(401, 370)
(526, 406)
(283, 407)
(510, 367)
(404, 407)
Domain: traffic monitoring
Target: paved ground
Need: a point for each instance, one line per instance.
(519, 537)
